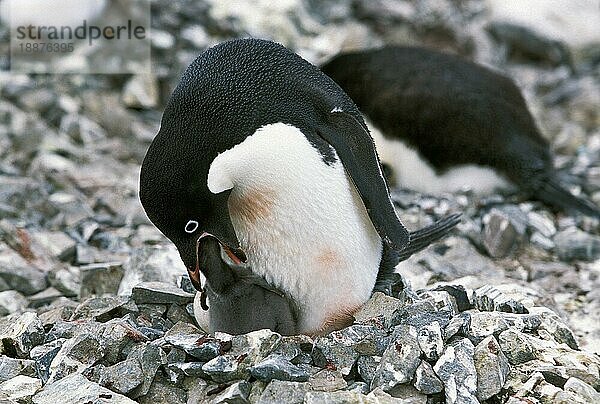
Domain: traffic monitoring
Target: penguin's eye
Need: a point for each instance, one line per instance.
(191, 226)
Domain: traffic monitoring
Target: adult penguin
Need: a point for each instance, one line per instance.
(262, 153)
(447, 123)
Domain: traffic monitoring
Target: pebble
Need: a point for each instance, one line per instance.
(76, 389)
(456, 369)
(492, 368)
(160, 293)
(400, 360)
(574, 244)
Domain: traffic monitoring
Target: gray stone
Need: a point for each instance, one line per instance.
(367, 367)
(65, 280)
(201, 347)
(160, 292)
(237, 393)
(523, 42)
(55, 243)
(20, 388)
(278, 367)
(18, 274)
(11, 367)
(11, 302)
(500, 235)
(400, 360)
(574, 244)
(458, 325)
(121, 377)
(279, 391)
(141, 91)
(489, 298)
(554, 325)
(45, 297)
(430, 341)
(583, 390)
(75, 356)
(19, 333)
(162, 391)
(379, 310)
(327, 380)
(149, 264)
(426, 381)
(150, 357)
(76, 389)
(492, 368)
(541, 223)
(456, 370)
(43, 355)
(101, 308)
(342, 348)
(101, 278)
(359, 387)
(516, 346)
(484, 324)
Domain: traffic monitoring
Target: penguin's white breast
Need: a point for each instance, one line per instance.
(301, 222)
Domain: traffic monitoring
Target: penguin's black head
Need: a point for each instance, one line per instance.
(224, 96)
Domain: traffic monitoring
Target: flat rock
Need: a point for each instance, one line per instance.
(76, 355)
(426, 381)
(19, 333)
(492, 368)
(379, 310)
(200, 346)
(237, 393)
(101, 308)
(278, 367)
(100, 278)
(11, 367)
(327, 380)
(11, 302)
(489, 298)
(149, 264)
(121, 377)
(76, 389)
(400, 360)
(20, 388)
(516, 346)
(18, 274)
(456, 370)
(160, 292)
(574, 244)
(279, 391)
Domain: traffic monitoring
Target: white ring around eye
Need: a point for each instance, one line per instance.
(191, 226)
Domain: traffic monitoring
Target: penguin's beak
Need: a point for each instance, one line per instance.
(236, 254)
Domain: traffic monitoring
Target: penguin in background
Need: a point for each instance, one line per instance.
(444, 124)
(263, 158)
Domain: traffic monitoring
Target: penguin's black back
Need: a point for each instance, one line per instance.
(453, 111)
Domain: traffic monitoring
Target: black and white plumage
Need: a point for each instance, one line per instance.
(447, 123)
(263, 153)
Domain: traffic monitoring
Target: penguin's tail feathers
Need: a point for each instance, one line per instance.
(422, 238)
(554, 194)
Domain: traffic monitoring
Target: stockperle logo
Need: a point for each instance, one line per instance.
(77, 36)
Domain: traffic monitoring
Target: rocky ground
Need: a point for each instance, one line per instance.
(94, 301)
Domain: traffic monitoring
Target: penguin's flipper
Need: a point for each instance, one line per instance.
(355, 148)
(422, 238)
(553, 193)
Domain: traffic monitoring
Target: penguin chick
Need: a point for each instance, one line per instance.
(448, 124)
(239, 301)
